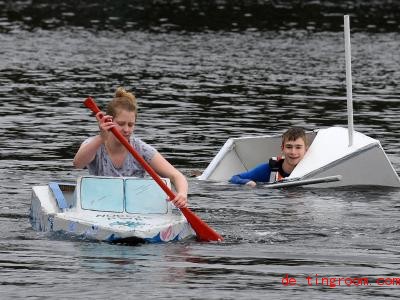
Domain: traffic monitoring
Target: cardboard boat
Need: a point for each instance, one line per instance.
(111, 209)
(329, 158)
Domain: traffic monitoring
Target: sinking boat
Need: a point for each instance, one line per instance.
(336, 156)
(330, 161)
(112, 209)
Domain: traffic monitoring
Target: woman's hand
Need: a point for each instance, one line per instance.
(180, 200)
(105, 124)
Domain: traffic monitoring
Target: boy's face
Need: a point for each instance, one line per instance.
(294, 151)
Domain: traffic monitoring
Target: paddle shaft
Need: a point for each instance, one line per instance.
(138, 157)
(203, 231)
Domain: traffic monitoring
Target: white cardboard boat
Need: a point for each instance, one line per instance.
(329, 159)
(336, 156)
(112, 209)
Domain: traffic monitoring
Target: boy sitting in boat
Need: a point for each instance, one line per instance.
(294, 147)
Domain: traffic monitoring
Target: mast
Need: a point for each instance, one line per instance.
(348, 79)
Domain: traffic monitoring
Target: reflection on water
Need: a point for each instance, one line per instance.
(196, 87)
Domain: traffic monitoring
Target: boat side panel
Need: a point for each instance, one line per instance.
(239, 155)
(258, 150)
(330, 145)
(229, 164)
(43, 208)
(112, 228)
(213, 165)
(369, 167)
(68, 190)
(59, 195)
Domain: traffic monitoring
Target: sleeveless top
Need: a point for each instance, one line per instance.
(102, 164)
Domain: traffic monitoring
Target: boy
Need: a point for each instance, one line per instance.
(294, 147)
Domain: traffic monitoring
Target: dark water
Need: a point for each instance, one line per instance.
(199, 83)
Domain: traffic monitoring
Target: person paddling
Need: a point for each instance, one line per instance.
(294, 147)
(104, 155)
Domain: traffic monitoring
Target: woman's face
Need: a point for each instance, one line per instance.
(125, 121)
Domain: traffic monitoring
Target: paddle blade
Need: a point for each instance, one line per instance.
(204, 232)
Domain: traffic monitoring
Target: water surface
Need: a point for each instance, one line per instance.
(197, 87)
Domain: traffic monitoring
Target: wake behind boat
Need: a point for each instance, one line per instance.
(112, 209)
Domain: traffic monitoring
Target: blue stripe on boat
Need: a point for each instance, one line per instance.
(58, 194)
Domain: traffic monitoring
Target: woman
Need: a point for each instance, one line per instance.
(104, 155)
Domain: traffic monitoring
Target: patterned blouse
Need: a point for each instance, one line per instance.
(102, 165)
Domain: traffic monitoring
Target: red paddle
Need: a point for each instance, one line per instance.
(203, 231)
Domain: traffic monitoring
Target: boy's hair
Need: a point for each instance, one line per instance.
(293, 134)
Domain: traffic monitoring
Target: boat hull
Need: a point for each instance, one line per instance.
(46, 216)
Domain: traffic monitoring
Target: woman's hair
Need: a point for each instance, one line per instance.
(122, 100)
(293, 134)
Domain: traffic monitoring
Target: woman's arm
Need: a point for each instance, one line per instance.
(87, 152)
(165, 169)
